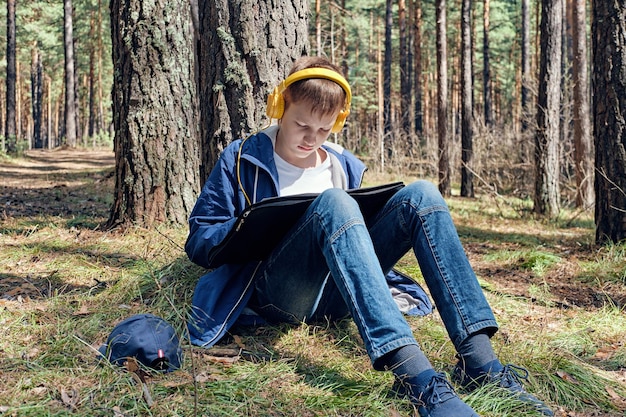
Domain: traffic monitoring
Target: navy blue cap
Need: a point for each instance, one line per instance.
(149, 339)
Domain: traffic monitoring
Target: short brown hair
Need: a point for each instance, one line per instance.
(326, 96)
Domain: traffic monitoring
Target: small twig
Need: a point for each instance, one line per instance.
(170, 240)
(144, 388)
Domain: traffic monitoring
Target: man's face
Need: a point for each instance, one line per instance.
(301, 134)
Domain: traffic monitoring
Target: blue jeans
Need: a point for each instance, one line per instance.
(333, 265)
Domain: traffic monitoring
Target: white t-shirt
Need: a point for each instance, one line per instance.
(295, 180)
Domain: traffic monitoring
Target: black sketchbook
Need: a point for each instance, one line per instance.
(262, 225)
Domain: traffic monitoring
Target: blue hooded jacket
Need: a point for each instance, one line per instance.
(244, 174)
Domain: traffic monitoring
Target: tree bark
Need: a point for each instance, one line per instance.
(487, 96)
(526, 75)
(343, 40)
(36, 89)
(92, 127)
(405, 78)
(155, 113)
(318, 27)
(245, 49)
(49, 139)
(609, 92)
(380, 94)
(102, 123)
(3, 116)
(583, 145)
(10, 135)
(71, 123)
(547, 200)
(467, 105)
(442, 99)
(387, 77)
(418, 92)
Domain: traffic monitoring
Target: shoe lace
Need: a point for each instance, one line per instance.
(511, 376)
(437, 391)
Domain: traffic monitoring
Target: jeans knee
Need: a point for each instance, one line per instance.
(337, 201)
(424, 194)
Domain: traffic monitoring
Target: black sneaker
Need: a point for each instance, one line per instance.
(437, 400)
(509, 378)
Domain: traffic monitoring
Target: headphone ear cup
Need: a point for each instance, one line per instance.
(340, 121)
(275, 105)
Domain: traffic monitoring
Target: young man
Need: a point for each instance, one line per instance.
(333, 265)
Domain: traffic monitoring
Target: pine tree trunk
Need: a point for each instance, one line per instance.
(467, 105)
(387, 135)
(10, 134)
(155, 113)
(417, 42)
(380, 94)
(49, 139)
(609, 92)
(3, 116)
(547, 200)
(405, 75)
(582, 116)
(18, 104)
(101, 124)
(71, 126)
(487, 97)
(93, 111)
(36, 88)
(442, 99)
(343, 42)
(318, 27)
(245, 49)
(526, 75)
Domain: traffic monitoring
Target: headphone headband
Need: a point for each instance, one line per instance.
(276, 103)
(324, 73)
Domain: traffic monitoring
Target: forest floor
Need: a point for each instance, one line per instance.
(30, 187)
(54, 203)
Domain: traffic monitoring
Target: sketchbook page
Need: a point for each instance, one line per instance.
(261, 226)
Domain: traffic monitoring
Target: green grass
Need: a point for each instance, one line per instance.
(536, 260)
(64, 284)
(608, 266)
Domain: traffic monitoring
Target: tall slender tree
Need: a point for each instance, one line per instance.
(525, 53)
(582, 117)
(417, 82)
(92, 125)
(380, 90)
(442, 98)
(547, 187)
(102, 121)
(155, 113)
(10, 134)
(487, 95)
(609, 131)
(387, 75)
(343, 38)
(71, 120)
(36, 88)
(318, 27)
(467, 103)
(405, 77)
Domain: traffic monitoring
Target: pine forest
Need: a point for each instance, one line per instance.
(494, 94)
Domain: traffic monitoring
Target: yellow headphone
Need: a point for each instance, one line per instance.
(276, 102)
